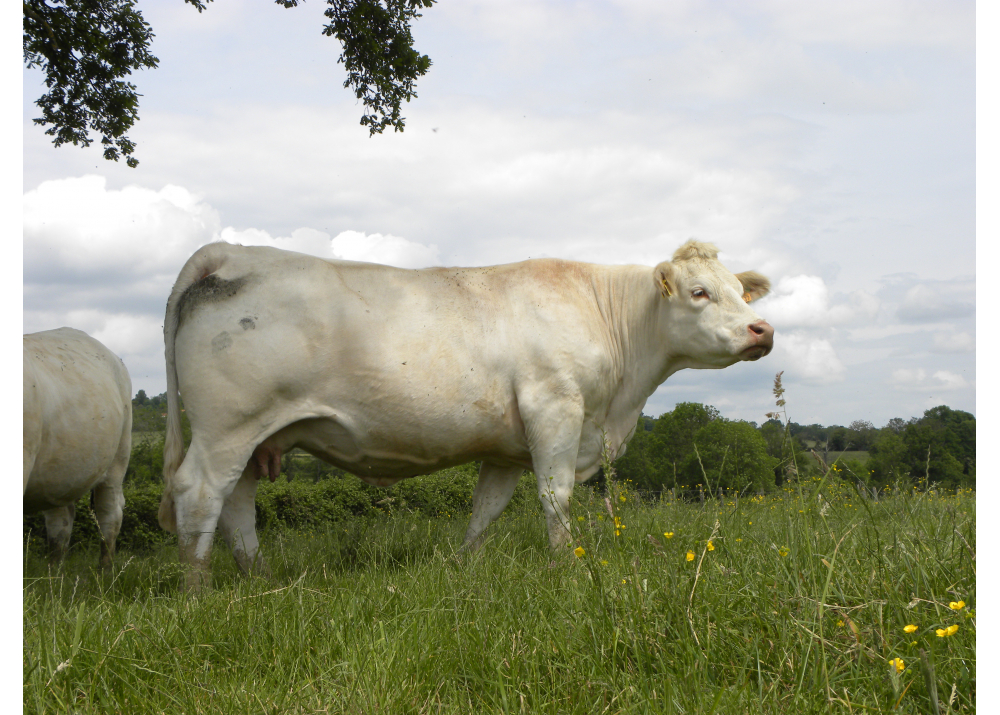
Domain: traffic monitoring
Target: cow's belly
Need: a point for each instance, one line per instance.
(405, 447)
(382, 454)
(56, 481)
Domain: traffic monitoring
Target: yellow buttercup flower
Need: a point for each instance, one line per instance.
(909, 629)
(690, 556)
(622, 497)
(711, 546)
(783, 551)
(579, 551)
(898, 664)
(946, 632)
(668, 534)
(956, 605)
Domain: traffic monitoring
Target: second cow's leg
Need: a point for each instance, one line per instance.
(108, 505)
(108, 498)
(237, 522)
(492, 493)
(58, 528)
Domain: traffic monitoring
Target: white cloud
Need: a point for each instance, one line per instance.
(388, 250)
(952, 342)
(863, 304)
(78, 230)
(916, 380)
(908, 377)
(950, 380)
(812, 360)
(797, 301)
(803, 301)
(933, 302)
(134, 338)
(920, 23)
(302, 240)
(490, 186)
(348, 245)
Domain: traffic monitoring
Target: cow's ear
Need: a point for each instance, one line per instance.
(665, 277)
(755, 285)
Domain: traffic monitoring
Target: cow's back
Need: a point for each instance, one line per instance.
(77, 405)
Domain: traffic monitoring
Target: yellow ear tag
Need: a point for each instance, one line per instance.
(666, 288)
(746, 298)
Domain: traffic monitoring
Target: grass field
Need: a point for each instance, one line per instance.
(796, 603)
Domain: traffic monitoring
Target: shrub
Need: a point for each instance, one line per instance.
(140, 529)
(299, 504)
(734, 456)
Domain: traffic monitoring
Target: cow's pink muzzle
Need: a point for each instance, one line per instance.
(762, 340)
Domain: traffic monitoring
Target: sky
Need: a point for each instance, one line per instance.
(829, 145)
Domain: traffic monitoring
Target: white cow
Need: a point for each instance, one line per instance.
(391, 373)
(77, 433)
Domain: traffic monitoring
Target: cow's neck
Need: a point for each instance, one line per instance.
(641, 359)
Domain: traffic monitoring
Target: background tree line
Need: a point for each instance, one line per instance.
(694, 445)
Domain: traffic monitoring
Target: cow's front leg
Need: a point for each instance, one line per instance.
(555, 486)
(237, 522)
(553, 433)
(492, 493)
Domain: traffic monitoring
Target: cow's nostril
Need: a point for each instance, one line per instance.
(757, 328)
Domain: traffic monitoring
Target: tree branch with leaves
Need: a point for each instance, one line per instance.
(88, 48)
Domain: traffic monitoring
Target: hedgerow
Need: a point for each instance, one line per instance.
(296, 504)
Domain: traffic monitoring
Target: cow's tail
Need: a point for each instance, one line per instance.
(206, 261)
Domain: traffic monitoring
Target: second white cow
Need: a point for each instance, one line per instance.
(77, 433)
(391, 373)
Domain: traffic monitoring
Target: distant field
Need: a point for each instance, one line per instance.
(799, 607)
(860, 456)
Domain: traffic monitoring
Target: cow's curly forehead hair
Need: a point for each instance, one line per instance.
(696, 250)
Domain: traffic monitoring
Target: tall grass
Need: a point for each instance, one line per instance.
(798, 606)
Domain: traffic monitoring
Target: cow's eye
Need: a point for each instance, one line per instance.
(699, 293)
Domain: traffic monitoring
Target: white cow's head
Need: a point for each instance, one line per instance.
(706, 314)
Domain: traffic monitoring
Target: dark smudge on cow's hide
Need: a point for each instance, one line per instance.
(247, 323)
(221, 341)
(210, 289)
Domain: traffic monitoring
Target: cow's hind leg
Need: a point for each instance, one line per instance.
(492, 493)
(58, 528)
(108, 498)
(200, 487)
(108, 505)
(237, 522)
